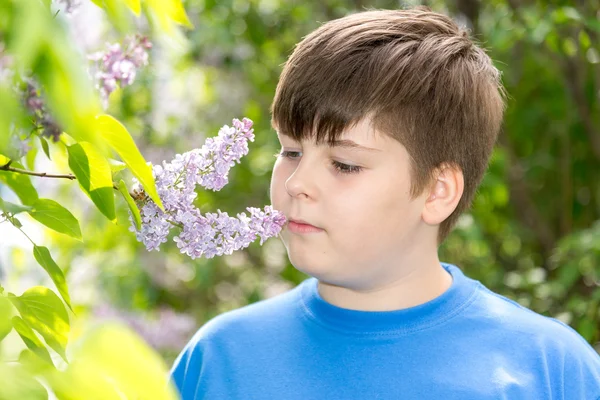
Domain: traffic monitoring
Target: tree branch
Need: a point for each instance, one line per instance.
(7, 167)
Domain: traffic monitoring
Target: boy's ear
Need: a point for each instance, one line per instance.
(444, 194)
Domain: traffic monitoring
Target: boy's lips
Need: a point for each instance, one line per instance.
(302, 222)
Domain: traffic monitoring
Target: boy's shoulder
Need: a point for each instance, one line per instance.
(502, 314)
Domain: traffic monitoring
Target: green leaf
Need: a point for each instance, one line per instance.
(43, 311)
(45, 147)
(15, 222)
(20, 184)
(19, 383)
(169, 11)
(121, 141)
(56, 217)
(117, 12)
(30, 158)
(43, 257)
(116, 166)
(30, 338)
(94, 175)
(110, 357)
(134, 5)
(13, 208)
(132, 206)
(6, 312)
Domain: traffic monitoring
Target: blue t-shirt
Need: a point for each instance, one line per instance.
(468, 343)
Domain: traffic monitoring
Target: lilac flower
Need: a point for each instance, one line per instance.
(69, 6)
(35, 105)
(6, 62)
(118, 65)
(213, 234)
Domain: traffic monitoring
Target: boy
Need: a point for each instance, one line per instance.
(387, 120)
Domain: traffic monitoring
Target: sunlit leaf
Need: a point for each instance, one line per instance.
(6, 312)
(94, 175)
(45, 147)
(30, 339)
(20, 184)
(12, 208)
(43, 257)
(18, 383)
(111, 356)
(56, 217)
(168, 11)
(131, 204)
(117, 12)
(134, 5)
(121, 141)
(43, 311)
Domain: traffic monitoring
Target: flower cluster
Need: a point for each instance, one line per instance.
(213, 234)
(35, 105)
(118, 65)
(69, 6)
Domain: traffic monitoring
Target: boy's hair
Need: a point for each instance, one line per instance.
(416, 74)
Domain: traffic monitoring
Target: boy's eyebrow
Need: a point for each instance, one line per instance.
(344, 144)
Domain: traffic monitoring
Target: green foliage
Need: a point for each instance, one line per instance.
(42, 310)
(43, 257)
(135, 212)
(54, 216)
(94, 176)
(121, 141)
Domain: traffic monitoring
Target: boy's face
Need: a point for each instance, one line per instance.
(370, 226)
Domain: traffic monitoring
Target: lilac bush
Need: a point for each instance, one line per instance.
(212, 234)
(118, 65)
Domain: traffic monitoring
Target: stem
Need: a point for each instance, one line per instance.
(175, 223)
(23, 232)
(7, 167)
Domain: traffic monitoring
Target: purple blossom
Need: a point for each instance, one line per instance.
(69, 6)
(118, 65)
(212, 234)
(6, 62)
(35, 105)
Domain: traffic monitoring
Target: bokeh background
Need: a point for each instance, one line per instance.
(532, 235)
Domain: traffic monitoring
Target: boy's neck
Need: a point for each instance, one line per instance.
(412, 289)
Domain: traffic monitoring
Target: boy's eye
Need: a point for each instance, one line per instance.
(339, 167)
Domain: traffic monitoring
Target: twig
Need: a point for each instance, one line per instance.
(7, 167)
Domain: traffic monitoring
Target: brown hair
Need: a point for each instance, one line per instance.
(416, 74)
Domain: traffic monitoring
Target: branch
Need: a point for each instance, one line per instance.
(7, 167)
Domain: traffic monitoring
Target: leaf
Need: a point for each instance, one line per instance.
(116, 166)
(45, 147)
(6, 312)
(43, 257)
(168, 11)
(20, 184)
(43, 311)
(111, 356)
(121, 141)
(30, 158)
(19, 383)
(117, 13)
(15, 222)
(56, 217)
(30, 338)
(13, 208)
(134, 5)
(94, 175)
(132, 206)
